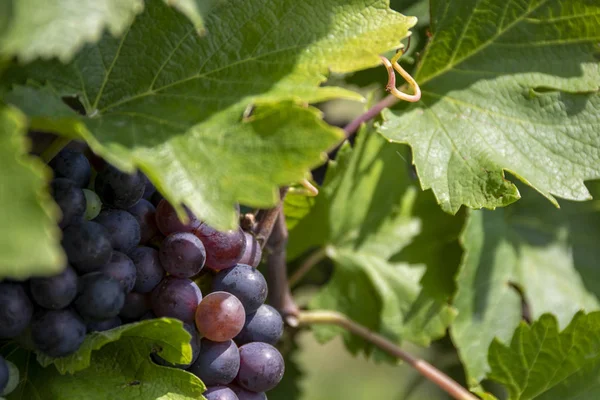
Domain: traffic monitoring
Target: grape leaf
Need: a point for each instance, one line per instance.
(165, 334)
(362, 217)
(549, 254)
(506, 87)
(118, 370)
(194, 10)
(177, 105)
(542, 363)
(30, 238)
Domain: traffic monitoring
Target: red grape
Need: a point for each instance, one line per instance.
(220, 316)
(168, 222)
(252, 253)
(223, 249)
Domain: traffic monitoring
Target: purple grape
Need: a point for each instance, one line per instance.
(218, 362)
(176, 298)
(245, 283)
(195, 343)
(182, 254)
(119, 189)
(145, 214)
(168, 222)
(244, 394)
(252, 253)
(149, 189)
(16, 310)
(101, 297)
(72, 165)
(57, 333)
(219, 393)
(149, 271)
(122, 227)
(121, 268)
(223, 249)
(55, 292)
(136, 305)
(261, 367)
(87, 245)
(70, 200)
(104, 325)
(265, 325)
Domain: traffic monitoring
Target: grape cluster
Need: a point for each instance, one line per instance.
(131, 258)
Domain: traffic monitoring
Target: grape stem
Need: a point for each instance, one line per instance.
(266, 219)
(446, 383)
(313, 259)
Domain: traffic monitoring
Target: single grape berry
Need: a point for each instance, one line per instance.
(87, 245)
(223, 249)
(101, 297)
(195, 343)
(70, 200)
(245, 283)
(119, 189)
(176, 298)
(122, 227)
(149, 271)
(121, 268)
(220, 316)
(73, 165)
(168, 222)
(261, 367)
(103, 325)
(218, 362)
(219, 393)
(15, 310)
(265, 325)
(55, 292)
(57, 333)
(145, 214)
(93, 204)
(244, 394)
(182, 254)
(136, 305)
(3, 375)
(252, 252)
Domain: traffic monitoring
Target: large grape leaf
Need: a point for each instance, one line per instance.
(176, 105)
(362, 217)
(542, 363)
(120, 369)
(30, 237)
(507, 86)
(551, 255)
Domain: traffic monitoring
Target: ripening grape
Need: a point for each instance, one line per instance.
(220, 316)
(244, 394)
(245, 283)
(70, 200)
(252, 252)
(219, 393)
(55, 292)
(182, 254)
(57, 333)
(101, 297)
(87, 245)
(261, 367)
(149, 272)
(145, 214)
(93, 204)
(176, 298)
(195, 343)
(119, 189)
(73, 165)
(223, 249)
(168, 222)
(15, 310)
(121, 268)
(122, 227)
(265, 325)
(136, 305)
(218, 362)
(103, 325)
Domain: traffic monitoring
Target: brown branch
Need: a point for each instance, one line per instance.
(446, 383)
(280, 296)
(266, 220)
(313, 259)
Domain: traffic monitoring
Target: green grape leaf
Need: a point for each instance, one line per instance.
(194, 10)
(549, 254)
(508, 86)
(362, 217)
(545, 364)
(30, 238)
(120, 369)
(165, 334)
(178, 106)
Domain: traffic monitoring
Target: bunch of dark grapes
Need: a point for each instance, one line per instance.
(131, 258)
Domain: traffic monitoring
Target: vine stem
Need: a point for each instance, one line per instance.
(55, 147)
(267, 219)
(446, 383)
(306, 266)
(368, 115)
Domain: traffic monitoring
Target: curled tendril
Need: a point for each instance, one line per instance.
(392, 65)
(308, 189)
